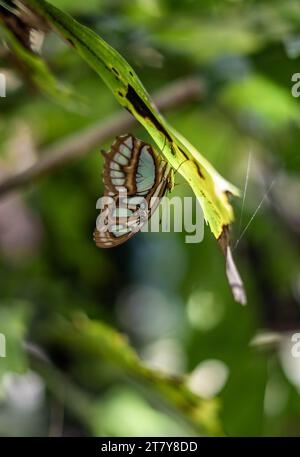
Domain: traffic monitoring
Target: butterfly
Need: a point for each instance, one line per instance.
(135, 180)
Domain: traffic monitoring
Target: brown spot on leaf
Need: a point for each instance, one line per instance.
(183, 152)
(70, 42)
(143, 110)
(199, 170)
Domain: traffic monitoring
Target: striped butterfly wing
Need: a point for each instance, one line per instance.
(131, 166)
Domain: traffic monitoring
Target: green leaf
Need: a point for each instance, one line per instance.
(97, 344)
(258, 96)
(37, 72)
(209, 187)
(225, 36)
(131, 94)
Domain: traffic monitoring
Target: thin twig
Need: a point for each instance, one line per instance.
(81, 143)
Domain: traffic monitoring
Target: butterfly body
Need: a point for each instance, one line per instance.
(135, 179)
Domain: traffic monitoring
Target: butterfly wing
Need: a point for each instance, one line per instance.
(114, 229)
(131, 166)
(120, 165)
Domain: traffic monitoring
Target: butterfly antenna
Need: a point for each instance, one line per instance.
(186, 160)
(176, 171)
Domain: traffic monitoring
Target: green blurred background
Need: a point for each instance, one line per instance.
(64, 304)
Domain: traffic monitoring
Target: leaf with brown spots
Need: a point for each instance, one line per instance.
(211, 189)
